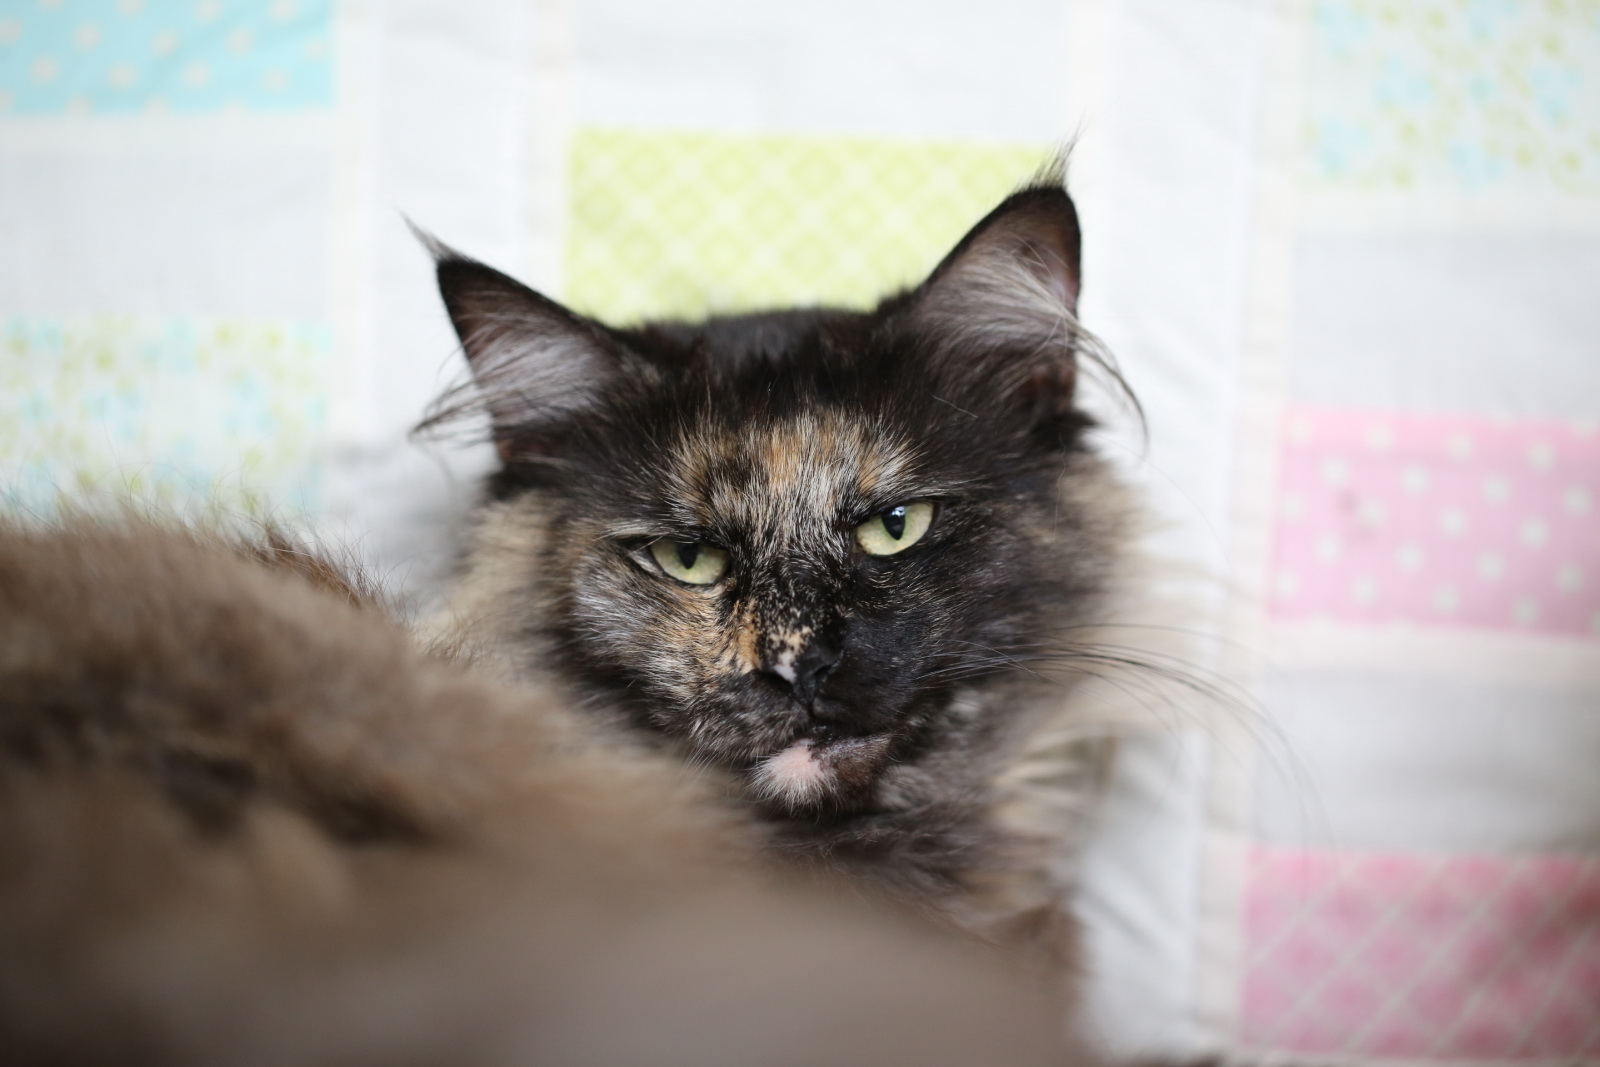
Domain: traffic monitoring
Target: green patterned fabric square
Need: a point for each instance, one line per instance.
(682, 224)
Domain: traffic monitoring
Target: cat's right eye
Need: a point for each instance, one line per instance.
(690, 562)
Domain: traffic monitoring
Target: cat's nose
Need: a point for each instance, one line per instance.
(807, 671)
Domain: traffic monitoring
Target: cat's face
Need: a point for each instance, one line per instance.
(796, 542)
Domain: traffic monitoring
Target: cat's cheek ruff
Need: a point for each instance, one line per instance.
(641, 623)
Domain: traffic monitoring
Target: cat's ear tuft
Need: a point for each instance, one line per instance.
(533, 362)
(1000, 310)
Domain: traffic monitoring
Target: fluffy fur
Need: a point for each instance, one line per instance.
(896, 715)
(244, 820)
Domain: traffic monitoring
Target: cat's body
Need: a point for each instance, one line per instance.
(898, 708)
(244, 819)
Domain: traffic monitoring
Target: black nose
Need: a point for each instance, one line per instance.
(811, 669)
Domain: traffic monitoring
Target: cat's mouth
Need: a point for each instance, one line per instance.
(822, 766)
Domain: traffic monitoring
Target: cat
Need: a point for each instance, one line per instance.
(842, 569)
(246, 819)
(856, 559)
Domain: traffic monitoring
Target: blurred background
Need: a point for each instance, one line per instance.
(1347, 252)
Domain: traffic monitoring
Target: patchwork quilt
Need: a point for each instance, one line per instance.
(1346, 252)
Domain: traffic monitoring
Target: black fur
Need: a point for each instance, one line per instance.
(773, 436)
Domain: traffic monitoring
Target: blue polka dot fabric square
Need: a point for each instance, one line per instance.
(125, 57)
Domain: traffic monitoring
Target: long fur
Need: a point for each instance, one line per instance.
(246, 819)
(946, 745)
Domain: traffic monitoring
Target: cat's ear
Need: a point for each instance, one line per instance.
(534, 362)
(999, 313)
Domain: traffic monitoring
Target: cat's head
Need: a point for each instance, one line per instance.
(805, 543)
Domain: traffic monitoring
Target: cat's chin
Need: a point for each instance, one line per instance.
(821, 771)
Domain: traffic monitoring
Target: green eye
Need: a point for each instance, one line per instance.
(895, 530)
(689, 561)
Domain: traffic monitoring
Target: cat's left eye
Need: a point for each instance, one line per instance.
(895, 530)
(690, 562)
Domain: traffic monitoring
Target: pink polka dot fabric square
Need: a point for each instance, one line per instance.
(1422, 957)
(1438, 520)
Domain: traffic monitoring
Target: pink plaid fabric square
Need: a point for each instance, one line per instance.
(1422, 957)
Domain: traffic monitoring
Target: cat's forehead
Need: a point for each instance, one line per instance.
(798, 473)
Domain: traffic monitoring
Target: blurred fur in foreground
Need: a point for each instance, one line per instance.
(244, 820)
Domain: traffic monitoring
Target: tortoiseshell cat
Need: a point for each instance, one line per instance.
(833, 552)
(830, 555)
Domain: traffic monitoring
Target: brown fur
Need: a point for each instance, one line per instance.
(244, 820)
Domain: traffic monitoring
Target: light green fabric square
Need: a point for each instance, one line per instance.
(681, 224)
